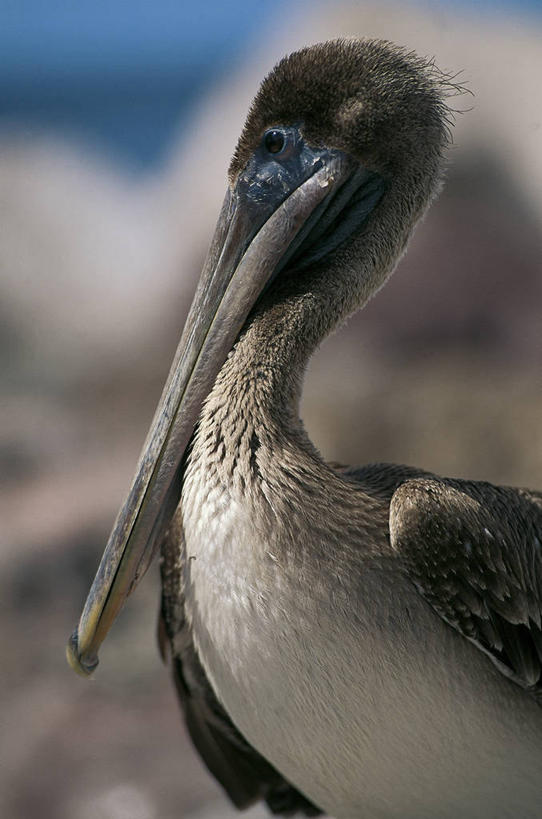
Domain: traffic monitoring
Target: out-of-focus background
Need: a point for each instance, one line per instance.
(117, 121)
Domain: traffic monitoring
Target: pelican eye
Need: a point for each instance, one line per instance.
(274, 141)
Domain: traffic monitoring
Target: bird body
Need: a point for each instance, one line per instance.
(318, 645)
(366, 642)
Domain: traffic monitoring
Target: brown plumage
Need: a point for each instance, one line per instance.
(363, 641)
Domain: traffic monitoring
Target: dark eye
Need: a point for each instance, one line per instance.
(274, 141)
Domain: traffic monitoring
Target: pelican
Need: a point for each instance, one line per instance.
(363, 642)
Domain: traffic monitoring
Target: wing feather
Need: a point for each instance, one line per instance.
(474, 552)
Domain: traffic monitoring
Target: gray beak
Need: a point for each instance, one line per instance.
(242, 260)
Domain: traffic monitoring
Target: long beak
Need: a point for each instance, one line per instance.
(241, 262)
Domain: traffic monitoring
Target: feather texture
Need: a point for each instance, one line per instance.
(474, 552)
(243, 773)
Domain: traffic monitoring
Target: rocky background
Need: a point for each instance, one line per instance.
(97, 267)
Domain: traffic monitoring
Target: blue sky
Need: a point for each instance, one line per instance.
(123, 74)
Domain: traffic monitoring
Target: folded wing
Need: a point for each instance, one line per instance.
(474, 551)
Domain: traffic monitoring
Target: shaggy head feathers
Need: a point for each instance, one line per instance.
(369, 98)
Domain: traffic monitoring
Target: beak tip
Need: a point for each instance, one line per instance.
(82, 665)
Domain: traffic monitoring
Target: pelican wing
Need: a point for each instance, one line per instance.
(474, 551)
